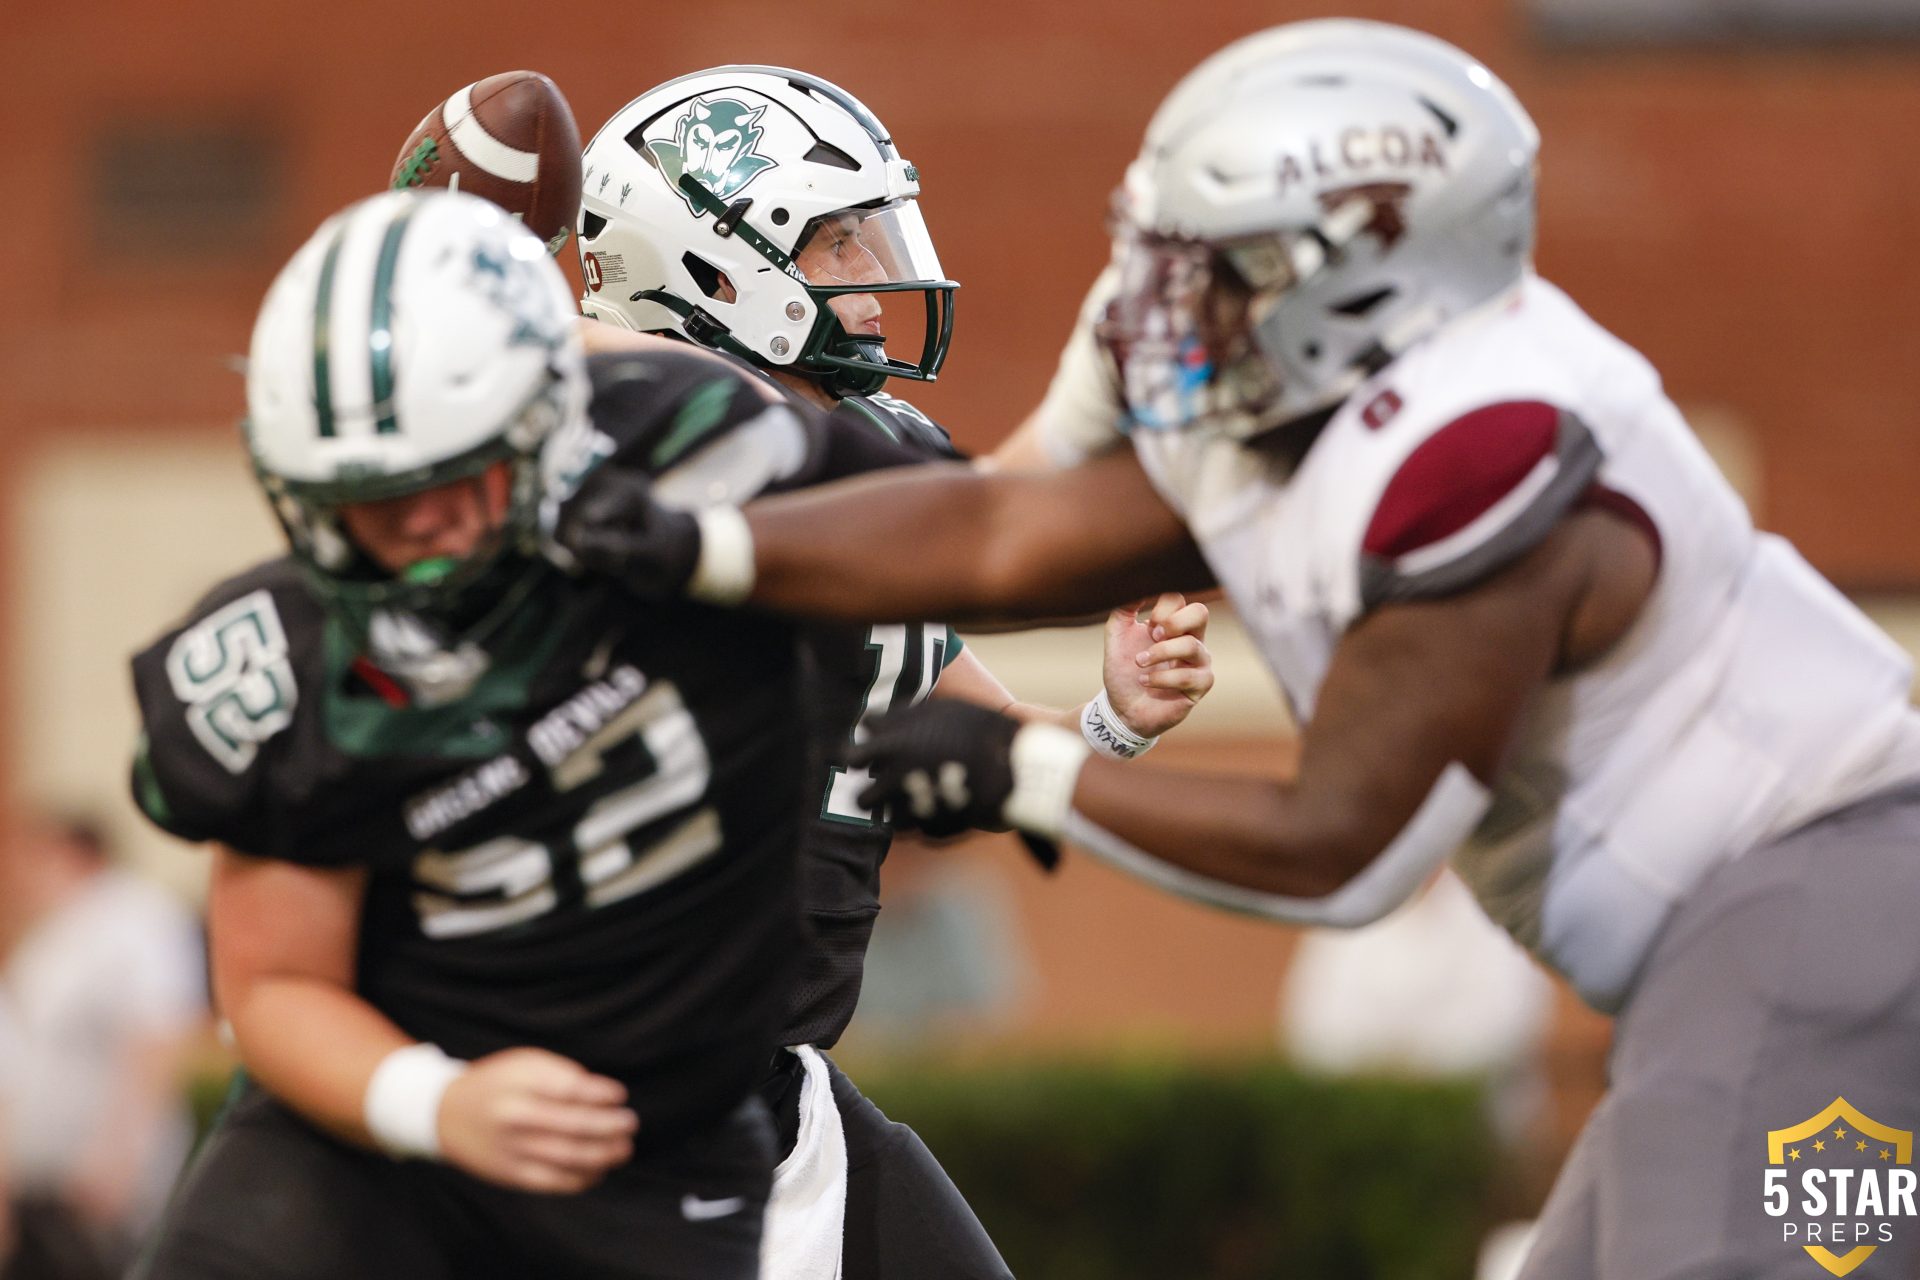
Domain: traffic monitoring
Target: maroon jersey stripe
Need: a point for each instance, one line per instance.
(1453, 477)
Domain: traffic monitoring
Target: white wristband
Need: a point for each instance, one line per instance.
(1108, 734)
(402, 1106)
(723, 574)
(1046, 762)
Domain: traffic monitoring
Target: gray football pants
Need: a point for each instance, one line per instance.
(1789, 978)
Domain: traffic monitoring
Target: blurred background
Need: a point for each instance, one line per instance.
(1124, 1084)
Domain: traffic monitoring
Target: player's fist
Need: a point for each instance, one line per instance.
(944, 766)
(1156, 665)
(535, 1121)
(612, 525)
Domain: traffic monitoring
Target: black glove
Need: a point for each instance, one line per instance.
(945, 767)
(613, 526)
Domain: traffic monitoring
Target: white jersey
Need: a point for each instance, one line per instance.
(1748, 698)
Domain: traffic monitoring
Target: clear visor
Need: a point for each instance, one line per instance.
(885, 245)
(880, 266)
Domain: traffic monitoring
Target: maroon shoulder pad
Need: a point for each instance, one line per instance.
(1473, 497)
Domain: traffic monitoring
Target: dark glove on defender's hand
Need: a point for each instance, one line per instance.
(613, 526)
(945, 767)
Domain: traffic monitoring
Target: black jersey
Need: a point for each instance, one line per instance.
(592, 850)
(849, 673)
(852, 673)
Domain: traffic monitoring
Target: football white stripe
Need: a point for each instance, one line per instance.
(486, 151)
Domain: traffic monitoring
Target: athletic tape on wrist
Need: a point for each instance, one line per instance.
(402, 1104)
(1046, 762)
(723, 574)
(1108, 734)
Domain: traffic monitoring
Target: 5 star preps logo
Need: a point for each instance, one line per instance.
(1839, 1185)
(716, 142)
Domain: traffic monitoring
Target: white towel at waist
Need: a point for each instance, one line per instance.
(806, 1213)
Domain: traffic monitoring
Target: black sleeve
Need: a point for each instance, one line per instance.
(848, 441)
(707, 431)
(656, 409)
(216, 696)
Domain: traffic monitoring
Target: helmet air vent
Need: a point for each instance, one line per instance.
(1361, 303)
(1447, 122)
(828, 154)
(704, 274)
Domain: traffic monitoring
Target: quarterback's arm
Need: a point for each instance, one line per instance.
(946, 541)
(601, 338)
(1418, 709)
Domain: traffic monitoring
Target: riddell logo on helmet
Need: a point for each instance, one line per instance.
(1360, 151)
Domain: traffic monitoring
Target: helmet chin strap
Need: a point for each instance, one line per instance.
(699, 324)
(839, 382)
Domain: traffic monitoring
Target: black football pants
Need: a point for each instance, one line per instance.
(905, 1218)
(269, 1197)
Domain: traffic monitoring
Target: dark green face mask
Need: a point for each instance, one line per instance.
(458, 593)
(853, 365)
(843, 363)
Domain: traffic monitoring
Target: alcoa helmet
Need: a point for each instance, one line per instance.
(766, 213)
(416, 339)
(1309, 203)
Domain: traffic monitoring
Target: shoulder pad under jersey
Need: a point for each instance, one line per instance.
(706, 430)
(904, 422)
(1416, 504)
(217, 695)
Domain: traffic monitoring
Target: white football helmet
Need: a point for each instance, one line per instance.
(417, 338)
(765, 212)
(1309, 203)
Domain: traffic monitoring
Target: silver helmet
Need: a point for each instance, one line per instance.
(1309, 203)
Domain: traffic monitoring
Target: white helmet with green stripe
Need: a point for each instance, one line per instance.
(417, 338)
(767, 213)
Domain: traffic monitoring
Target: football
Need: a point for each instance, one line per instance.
(510, 138)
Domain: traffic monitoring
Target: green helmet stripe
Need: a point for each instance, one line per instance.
(380, 334)
(322, 312)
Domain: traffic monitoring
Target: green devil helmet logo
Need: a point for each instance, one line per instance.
(714, 141)
(514, 286)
